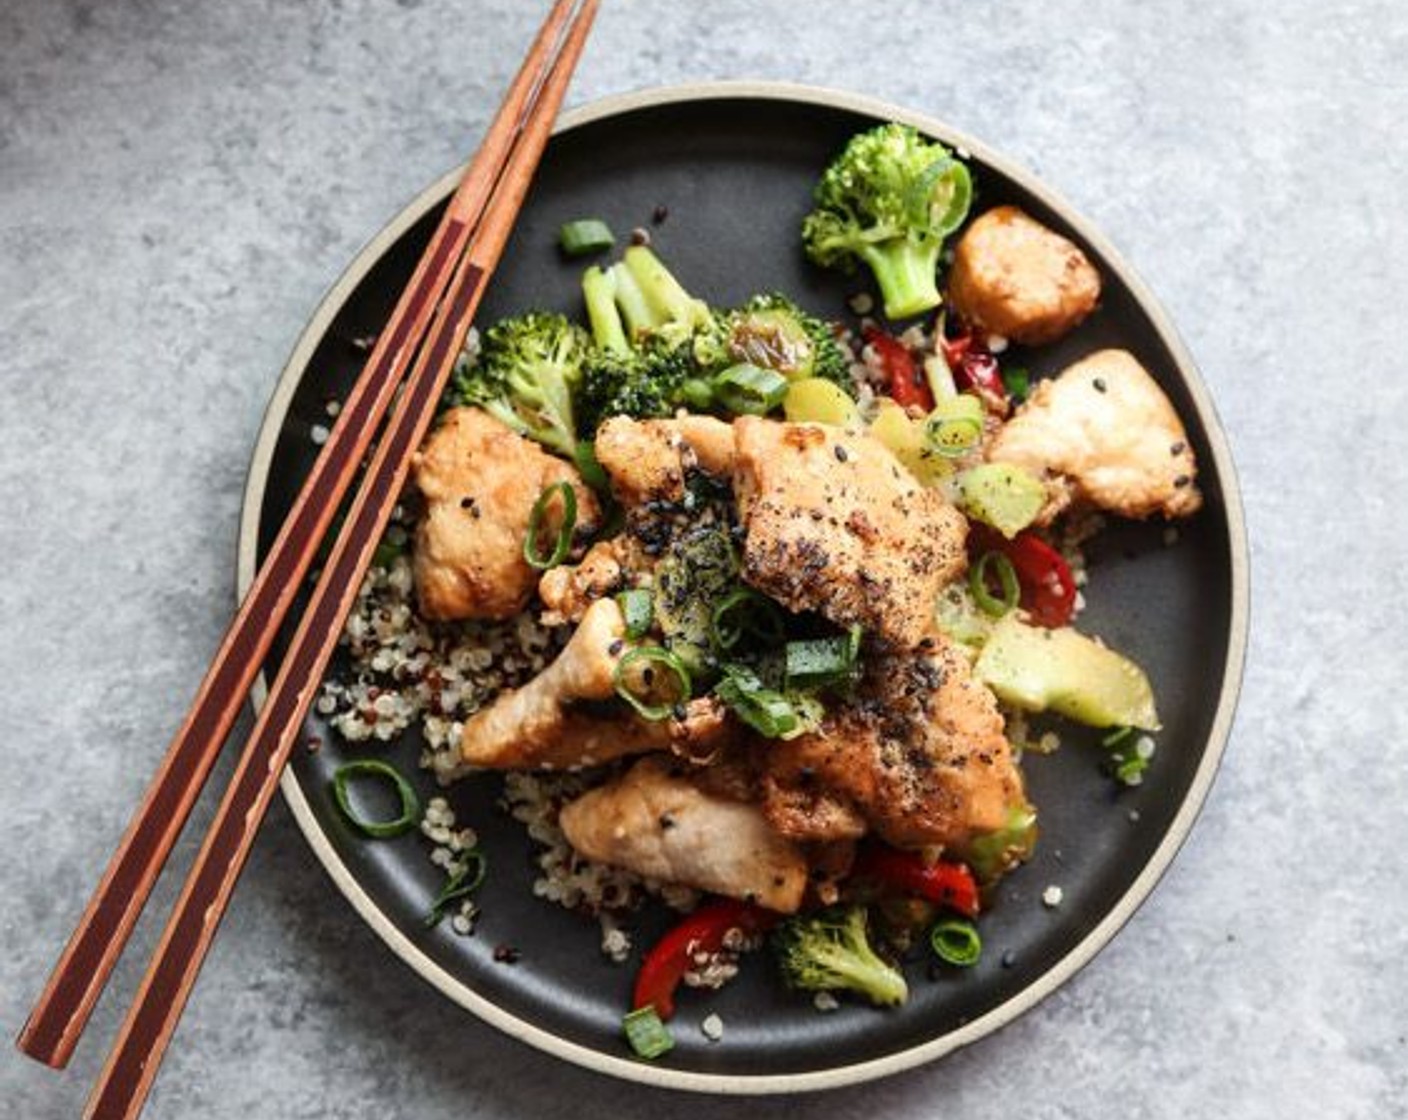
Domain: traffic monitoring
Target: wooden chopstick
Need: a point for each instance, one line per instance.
(63, 1008)
(126, 1078)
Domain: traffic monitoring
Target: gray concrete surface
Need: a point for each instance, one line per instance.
(179, 182)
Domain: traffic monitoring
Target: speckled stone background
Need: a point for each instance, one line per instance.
(180, 182)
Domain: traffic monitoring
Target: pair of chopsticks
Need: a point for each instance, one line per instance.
(424, 334)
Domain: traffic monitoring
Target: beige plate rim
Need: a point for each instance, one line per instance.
(1068, 965)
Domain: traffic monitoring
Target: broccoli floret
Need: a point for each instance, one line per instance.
(829, 951)
(889, 199)
(649, 334)
(773, 332)
(527, 369)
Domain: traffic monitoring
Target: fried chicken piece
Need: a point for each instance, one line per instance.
(568, 590)
(835, 524)
(1013, 277)
(480, 481)
(649, 459)
(918, 753)
(1103, 433)
(655, 820)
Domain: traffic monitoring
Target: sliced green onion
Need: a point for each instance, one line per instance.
(374, 767)
(590, 468)
(697, 393)
(586, 236)
(765, 710)
(1017, 382)
(648, 1036)
(1006, 576)
(1116, 736)
(743, 613)
(956, 942)
(818, 662)
(637, 610)
(464, 882)
(750, 389)
(563, 542)
(647, 657)
(955, 426)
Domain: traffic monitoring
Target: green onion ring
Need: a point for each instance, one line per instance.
(459, 885)
(563, 544)
(764, 622)
(956, 942)
(955, 426)
(660, 656)
(1006, 575)
(750, 389)
(374, 767)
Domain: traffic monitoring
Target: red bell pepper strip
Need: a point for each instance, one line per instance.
(903, 374)
(944, 883)
(1048, 587)
(976, 369)
(700, 932)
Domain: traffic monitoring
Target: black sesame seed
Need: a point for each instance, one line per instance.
(1009, 958)
(615, 647)
(667, 821)
(1182, 481)
(466, 503)
(1099, 384)
(1178, 448)
(841, 455)
(661, 213)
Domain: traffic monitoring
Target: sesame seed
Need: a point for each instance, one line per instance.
(712, 1028)
(1099, 384)
(1051, 897)
(825, 1001)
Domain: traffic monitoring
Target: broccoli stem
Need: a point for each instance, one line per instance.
(631, 299)
(599, 291)
(907, 273)
(668, 300)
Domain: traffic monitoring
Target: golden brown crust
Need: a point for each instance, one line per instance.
(1013, 277)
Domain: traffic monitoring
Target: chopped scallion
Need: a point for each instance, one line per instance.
(744, 613)
(637, 611)
(955, 426)
(590, 468)
(648, 1036)
(999, 564)
(1018, 383)
(750, 389)
(765, 710)
(374, 767)
(464, 882)
(562, 543)
(641, 689)
(584, 237)
(956, 942)
(819, 662)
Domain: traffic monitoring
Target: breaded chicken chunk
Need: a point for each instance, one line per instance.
(1103, 433)
(835, 524)
(480, 481)
(1013, 277)
(550, 724)
(568, 590)
(657, 821)
(649, 459)
(917, 753)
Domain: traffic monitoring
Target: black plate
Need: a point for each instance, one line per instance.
(734, 166)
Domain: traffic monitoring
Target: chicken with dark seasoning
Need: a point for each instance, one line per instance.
(834, 524)
(917, 755)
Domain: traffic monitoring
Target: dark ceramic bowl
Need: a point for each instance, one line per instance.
(735, 164)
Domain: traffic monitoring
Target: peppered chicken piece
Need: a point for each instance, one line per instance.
(1013, 277)
(549, 723)
(917, 753)
(649, 460)
(657, 821)
(835, 524)
(568, 590)
(480, 481)
(1103, 434)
